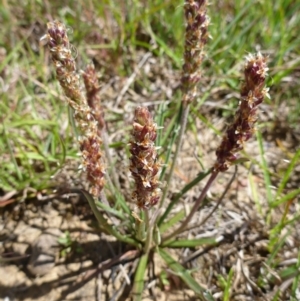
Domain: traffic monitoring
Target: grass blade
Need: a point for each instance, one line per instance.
(190, 243)
(265, 168)
(184, 275)
(293, 194)
(288, 173)
(172, 221)
(103, 222)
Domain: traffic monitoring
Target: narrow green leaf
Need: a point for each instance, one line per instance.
(226, 296)
(239, 161)
(190, 243)
(275, 245)
(288, 174)
(121, 202)
(118, 144)
(169, 52)
(168, 131)
(184, 275)
(173, 132)
(254, 192)
(186, 188)
(204, 119)
(108, 209)
(12, 156)
(160, 120)
(11, 54)
(24, 122)
(103, 222)
(265, 168)
(64, 151)
(172, 221)
(288, 273)
(293, 194)
(138, 285)
(231, 25)
(296, 281)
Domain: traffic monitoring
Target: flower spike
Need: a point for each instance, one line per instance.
(144, 167)
(90, 142)
(253, 92)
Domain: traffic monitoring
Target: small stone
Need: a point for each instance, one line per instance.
(44, 251)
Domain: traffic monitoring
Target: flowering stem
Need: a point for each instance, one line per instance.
(196, 36)
(203, 221)
(186, 188)
(184, 118)
(149, 229)
(66, 73)
(196, 206)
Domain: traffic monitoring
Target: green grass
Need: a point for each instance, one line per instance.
(36, 140)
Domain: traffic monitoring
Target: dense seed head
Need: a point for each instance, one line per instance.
(196, 36)
(90, 142)
(253, 92)
(143, 162)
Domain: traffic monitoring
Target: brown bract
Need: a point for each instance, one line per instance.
(253, 92)
(196, 36)
(90, 142)
(143, 162)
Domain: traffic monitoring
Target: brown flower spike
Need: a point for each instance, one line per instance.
(143, 162)
(196, 36)
(253, 93)
(90, 142)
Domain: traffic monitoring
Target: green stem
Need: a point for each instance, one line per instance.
(149, 229)
(140, 229)
(183, 122)
(171, 131)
